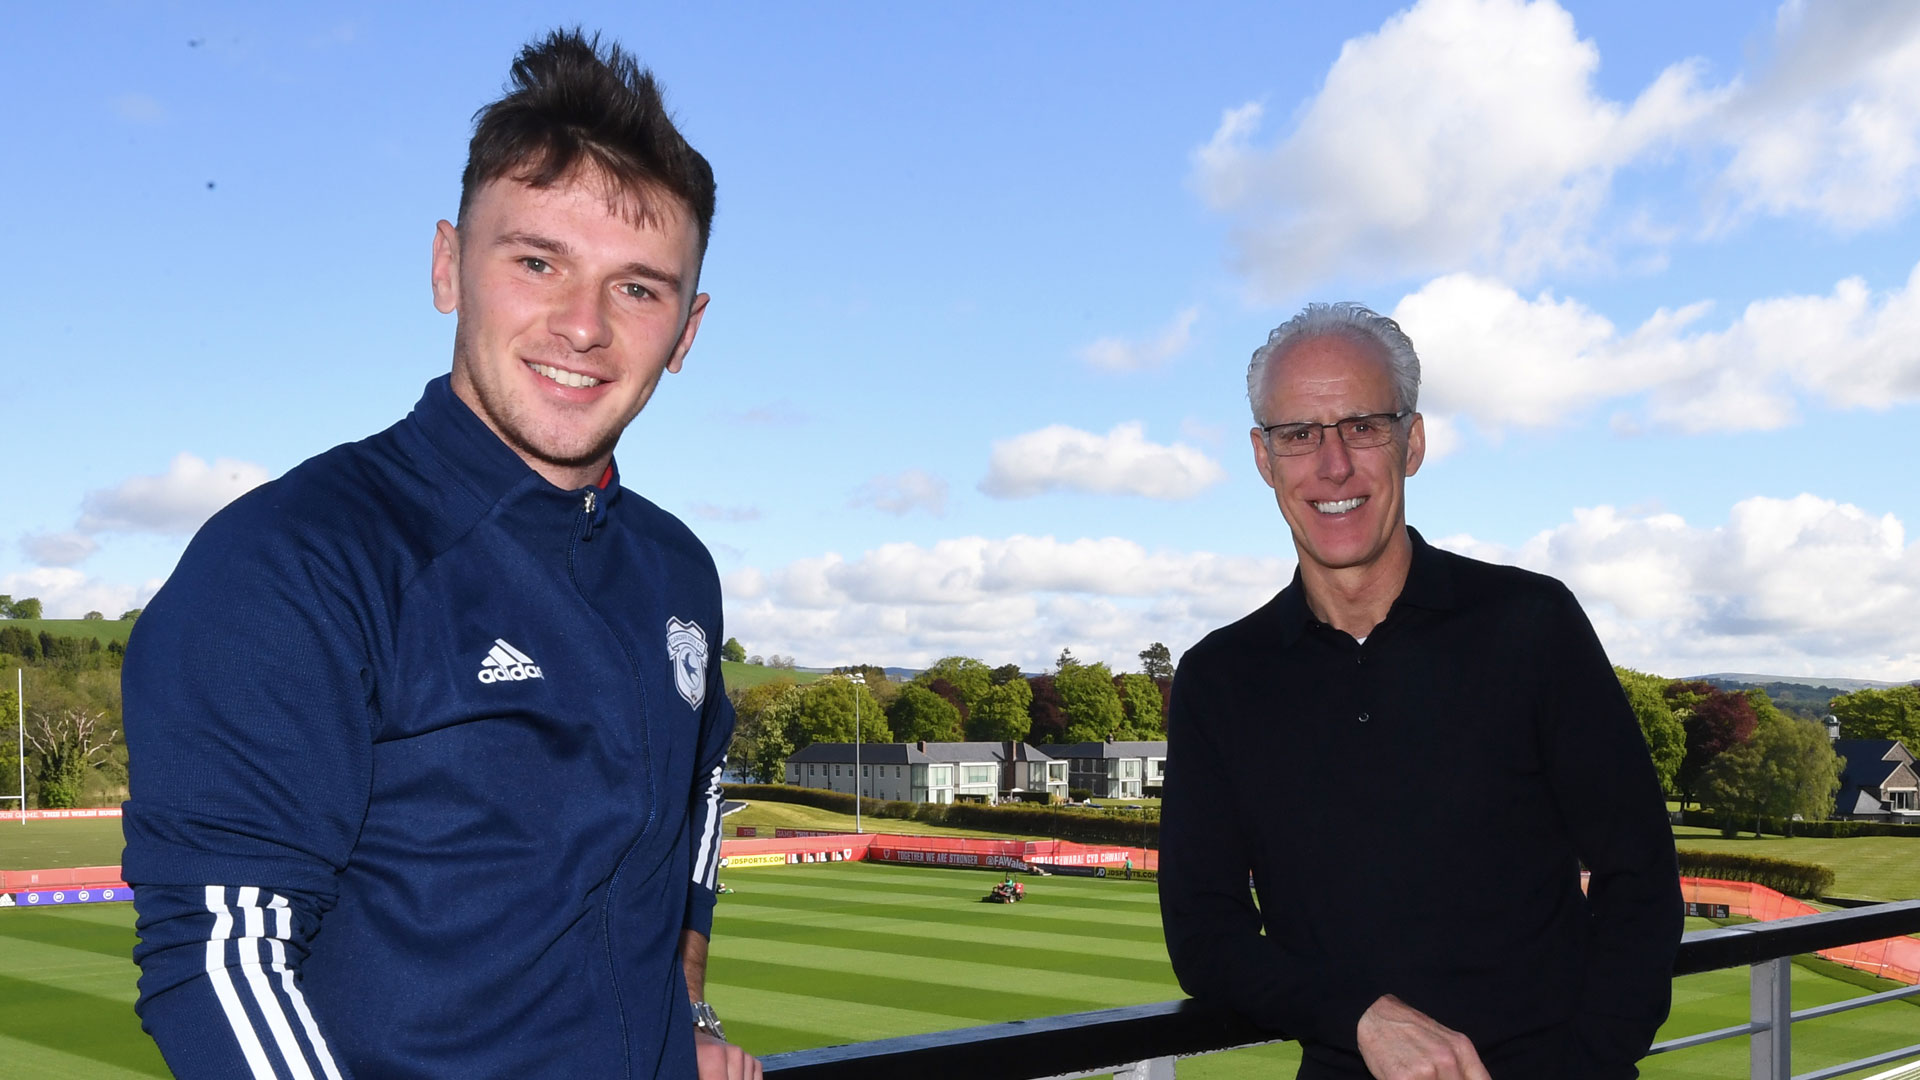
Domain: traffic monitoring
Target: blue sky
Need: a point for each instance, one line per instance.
(985, 281)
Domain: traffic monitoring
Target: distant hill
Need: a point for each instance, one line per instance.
(1802, 696)
(104, 630)
(1723, 677)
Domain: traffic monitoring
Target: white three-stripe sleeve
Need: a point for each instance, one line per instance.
(706, 860)
(237, 1019)
(255, 943)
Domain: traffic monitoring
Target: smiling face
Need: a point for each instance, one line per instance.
(1346, 507)
(569, 312)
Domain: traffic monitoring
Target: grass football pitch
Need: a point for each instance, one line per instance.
(815, 955)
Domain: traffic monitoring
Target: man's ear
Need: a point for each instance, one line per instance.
(446, 268)
(687, 332)
(1416, 444)
(1261, 460)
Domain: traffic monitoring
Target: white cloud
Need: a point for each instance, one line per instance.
(1121, 462)
(1016, 599)
(58, 549)
(65, 593)
(1462, 132)
(914, 489)
(1832, 127)
(1469, 134)
(1801, 586)
(175, 503)
(1119, 354)
(1500, 360)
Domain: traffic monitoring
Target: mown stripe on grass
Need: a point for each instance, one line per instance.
(981, 968)
(85, 1025)
(835, 1021)
(25, 1059)
(926, 941)
(763, 1039)
(85, 931)
(72, 970)
(876, 988)
(1014, 933)
(957, 915)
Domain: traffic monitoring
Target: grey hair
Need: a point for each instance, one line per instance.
(1347, 319)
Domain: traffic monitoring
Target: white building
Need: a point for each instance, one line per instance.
(931, 772)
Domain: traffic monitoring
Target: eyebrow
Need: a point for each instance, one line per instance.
(559, 247)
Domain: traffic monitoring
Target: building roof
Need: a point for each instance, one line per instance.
(1870, 762)
(923, 753)
(1106, 750)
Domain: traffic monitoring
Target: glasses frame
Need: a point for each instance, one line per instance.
(1320, 432)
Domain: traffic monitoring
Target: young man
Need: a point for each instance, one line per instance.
(1434, 926)
(426, 735)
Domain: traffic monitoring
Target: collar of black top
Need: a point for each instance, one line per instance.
(1429, 585)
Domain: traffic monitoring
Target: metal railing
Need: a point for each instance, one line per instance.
(1142, 1042)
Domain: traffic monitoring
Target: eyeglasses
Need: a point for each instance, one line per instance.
(1357, 432)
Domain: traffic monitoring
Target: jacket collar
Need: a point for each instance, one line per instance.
(1429, 585)
(478, 456)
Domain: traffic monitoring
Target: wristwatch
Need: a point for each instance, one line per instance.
(705, 1019)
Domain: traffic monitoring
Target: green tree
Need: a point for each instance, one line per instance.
(1787, 767)
(27, 607)
(93, 616)
(1093, 709)
(1893, 713)
(732, 650)
(1714, 720)
(825, 713)
(918, 713)
(1666, 736)
(1156, 660)
(1065, 660)
(1006, 673)
(1002, 715)
(1140, 701)
(762, 739)
(129, 616)
(972, 678)
(67, 743)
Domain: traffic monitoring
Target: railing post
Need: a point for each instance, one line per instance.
(1160, 1068)
(1771, 1004)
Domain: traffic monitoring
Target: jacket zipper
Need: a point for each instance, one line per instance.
(585, 532)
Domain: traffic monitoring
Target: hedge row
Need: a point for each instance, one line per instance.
(1132, 828)
(1783, 875)
(1710, 819)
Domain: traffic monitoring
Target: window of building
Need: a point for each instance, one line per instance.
(836, 770)
(1130, 768)
(809, 768)
(977, 774)
(866, 770)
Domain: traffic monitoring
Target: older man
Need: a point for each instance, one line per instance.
(1414, 754)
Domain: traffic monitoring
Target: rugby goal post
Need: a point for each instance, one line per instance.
(20, 699)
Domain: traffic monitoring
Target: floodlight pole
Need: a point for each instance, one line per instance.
(858, 679)
(20, 699)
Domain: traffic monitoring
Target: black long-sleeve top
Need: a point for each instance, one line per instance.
(1415, 811)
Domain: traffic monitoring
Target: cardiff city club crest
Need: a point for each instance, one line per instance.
(687, 645)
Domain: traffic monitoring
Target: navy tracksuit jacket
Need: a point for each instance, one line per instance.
(425, 761)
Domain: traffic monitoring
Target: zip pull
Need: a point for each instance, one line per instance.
(589, 506)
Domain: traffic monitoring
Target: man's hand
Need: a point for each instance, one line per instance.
(1399, 1042)
(721, 1060)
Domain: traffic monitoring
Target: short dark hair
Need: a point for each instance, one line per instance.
(569, 103)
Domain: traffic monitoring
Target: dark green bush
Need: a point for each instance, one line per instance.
(1818, 829)
(1784, 875)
